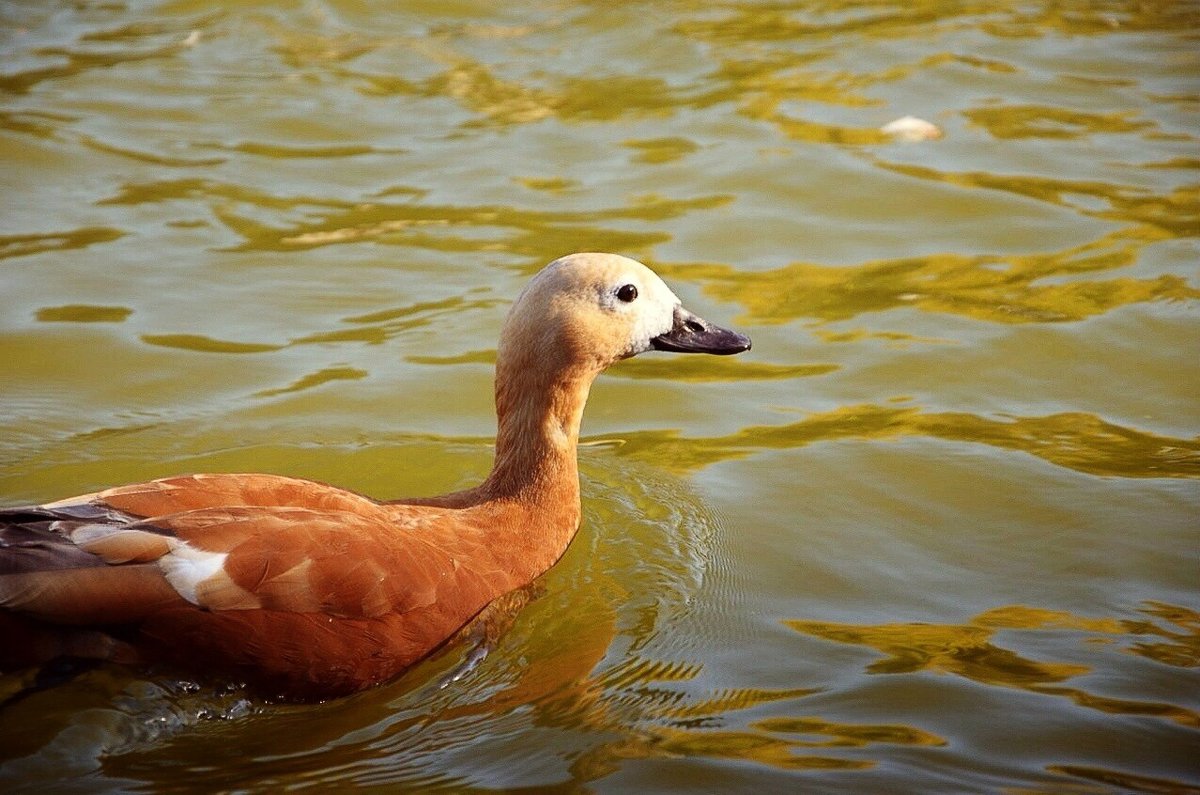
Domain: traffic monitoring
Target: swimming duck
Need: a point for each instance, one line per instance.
(307, 591)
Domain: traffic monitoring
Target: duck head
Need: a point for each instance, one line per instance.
(595, 309)
(577, 316)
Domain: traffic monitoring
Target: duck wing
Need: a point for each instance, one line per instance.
(217, 543)
(308, 589)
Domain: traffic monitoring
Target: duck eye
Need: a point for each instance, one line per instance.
(627, 293)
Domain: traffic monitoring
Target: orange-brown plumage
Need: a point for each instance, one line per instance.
(310, 591)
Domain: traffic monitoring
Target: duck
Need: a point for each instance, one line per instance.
(305, 591)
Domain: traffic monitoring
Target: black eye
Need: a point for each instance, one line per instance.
(627, 293)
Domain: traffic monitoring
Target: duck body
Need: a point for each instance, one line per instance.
(302, 589)
(307, 591)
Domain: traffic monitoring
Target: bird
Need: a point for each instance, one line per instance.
(304, 591)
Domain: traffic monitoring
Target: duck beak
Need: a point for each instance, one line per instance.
(692, 334)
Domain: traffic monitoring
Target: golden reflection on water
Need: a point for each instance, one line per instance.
(76, 61)
(83, 313)
(373, 328)
(1179, 648)
(148, 157)
(24, 245)
(675, 369)
(1040, 121)
(497, 101)
(671, 726)
(1119, 778)
(990, 287)
(540, 235)
(783, 742)
(972, 651)
(323, 376)
(661, 150)
(717, 370)
(1158, 216)
(1076, 440)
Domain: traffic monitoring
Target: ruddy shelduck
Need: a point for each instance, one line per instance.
(307, 591)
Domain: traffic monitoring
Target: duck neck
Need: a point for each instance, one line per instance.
(538, 412)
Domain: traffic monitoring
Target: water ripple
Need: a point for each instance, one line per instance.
(972, 651)
(995, 288)
(1175, 213)
(1076, 440)
(538, 234)
(236, 216)
(83, 313)
(24, 245)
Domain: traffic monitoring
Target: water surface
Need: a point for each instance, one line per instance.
(938, 532)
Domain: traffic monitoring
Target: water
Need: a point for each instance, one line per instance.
(938, 532)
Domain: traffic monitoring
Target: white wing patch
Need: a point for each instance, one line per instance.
(186, 568)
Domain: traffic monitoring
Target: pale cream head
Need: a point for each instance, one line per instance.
(619, 302)
(592, 309)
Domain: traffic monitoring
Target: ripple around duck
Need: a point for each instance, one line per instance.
(621, 688)
(105, 712)
(592, 658)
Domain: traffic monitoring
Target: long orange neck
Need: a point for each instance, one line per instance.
(538, 412)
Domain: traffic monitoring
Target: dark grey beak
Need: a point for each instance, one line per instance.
(692, 334)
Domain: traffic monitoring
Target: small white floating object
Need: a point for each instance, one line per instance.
(910, 128)
(192, 39)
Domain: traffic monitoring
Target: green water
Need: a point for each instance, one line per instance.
(939, 531)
